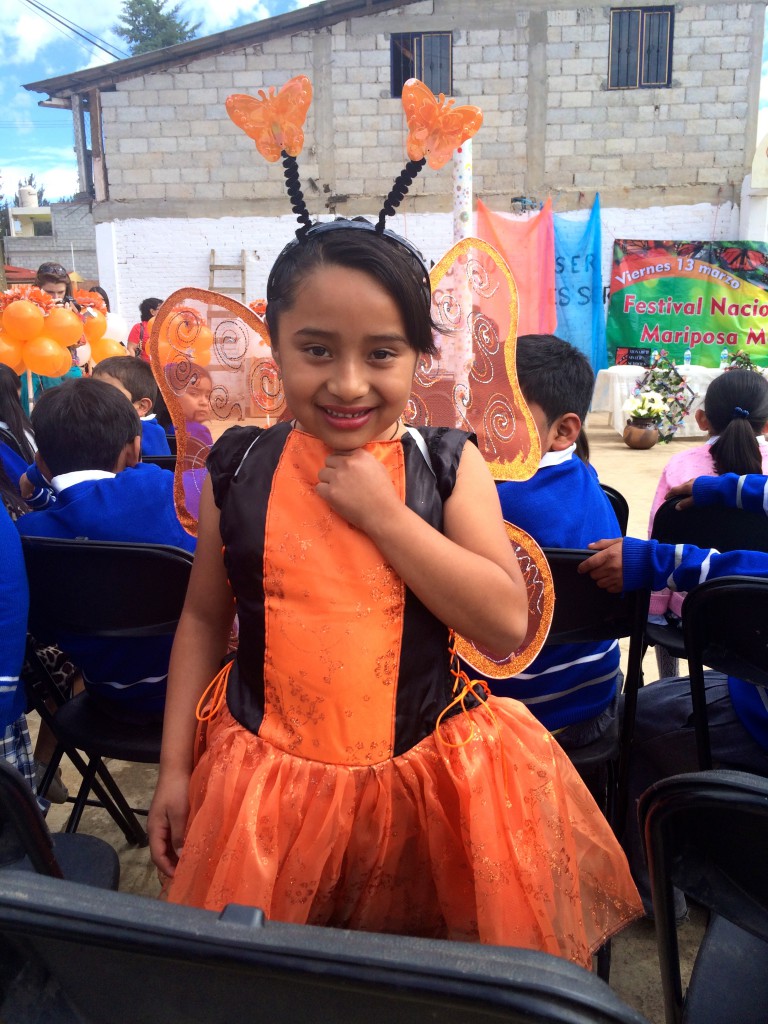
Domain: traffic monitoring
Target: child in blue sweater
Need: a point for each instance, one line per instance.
(664, 740)
(570, 688)
(89, 440)
(133, 378)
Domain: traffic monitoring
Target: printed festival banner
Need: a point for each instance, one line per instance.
(705, 298)
(528, 248)
(579, 285)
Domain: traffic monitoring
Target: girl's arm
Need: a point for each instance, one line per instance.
(198, 648)
(469, 576)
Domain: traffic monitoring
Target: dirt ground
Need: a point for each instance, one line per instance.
(634, 975)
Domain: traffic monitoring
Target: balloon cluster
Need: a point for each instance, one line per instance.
(184, 335)
(37, 335)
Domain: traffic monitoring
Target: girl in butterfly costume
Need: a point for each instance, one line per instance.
(338, 776)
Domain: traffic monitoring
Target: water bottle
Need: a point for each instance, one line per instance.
(654, 357)
(687, 357)
(724, 359)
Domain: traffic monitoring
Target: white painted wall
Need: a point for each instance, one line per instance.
(142, 258)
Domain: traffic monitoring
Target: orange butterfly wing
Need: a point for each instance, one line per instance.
(274, 120)
(435, 126)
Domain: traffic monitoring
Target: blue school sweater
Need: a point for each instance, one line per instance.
(154, 440)
(683, 566)
(14, 607)
(563, 506)
(135, 505)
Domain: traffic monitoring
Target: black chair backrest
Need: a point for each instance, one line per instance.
(725, 625)
(710, 526)
(163, 461)
(202, 968)
(707, 833)
(620, 506)
(23, 831)
(104, 588)
(172, 443)
(583, 611)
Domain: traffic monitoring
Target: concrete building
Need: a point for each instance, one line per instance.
(654, 107)
(71, 242)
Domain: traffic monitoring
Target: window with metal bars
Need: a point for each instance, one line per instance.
(640, 49)
(424, 55)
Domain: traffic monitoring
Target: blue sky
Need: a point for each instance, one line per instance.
(32, 48)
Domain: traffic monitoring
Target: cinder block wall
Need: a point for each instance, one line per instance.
(539, 71)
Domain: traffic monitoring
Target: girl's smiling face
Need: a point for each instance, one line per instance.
(346, 363)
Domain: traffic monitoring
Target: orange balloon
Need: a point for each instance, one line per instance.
(44, 356)
(23, 320)
(10, 350)
(95, 327)
(63, 326)
(65, 364)
(105, 348)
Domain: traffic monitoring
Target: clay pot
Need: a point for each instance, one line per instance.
(640, 434)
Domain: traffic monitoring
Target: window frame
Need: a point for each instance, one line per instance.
(646, 17)
(396, 52)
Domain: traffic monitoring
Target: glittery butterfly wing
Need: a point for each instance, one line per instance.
(211, 358)
(274, 119)
(436, 127)
(472, 383)
(541, 605)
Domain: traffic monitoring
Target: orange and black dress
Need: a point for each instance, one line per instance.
(326, 791)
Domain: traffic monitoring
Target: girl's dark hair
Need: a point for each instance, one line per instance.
(53, 272)
(12, 411)
(100, 291)
(736, 405)
(389, 261)
(146, 307)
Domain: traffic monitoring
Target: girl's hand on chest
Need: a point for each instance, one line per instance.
(357, 487)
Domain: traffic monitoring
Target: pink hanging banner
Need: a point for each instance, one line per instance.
(528, 248)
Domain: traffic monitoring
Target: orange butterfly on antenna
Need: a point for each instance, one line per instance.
(274, 119)
(435, 126)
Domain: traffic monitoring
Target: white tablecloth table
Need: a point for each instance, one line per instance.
(616, 384)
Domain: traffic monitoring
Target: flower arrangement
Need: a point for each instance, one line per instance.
(664, 381)
(645, 405)
(738, 361)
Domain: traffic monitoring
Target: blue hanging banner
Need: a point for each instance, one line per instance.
(579, 285)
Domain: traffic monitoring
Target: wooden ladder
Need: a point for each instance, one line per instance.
(229, 269)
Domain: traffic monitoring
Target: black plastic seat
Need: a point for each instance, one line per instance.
(620, 507)
(109, 590)
(725, 625)
(144, 961)
(706, 833)
(163, 461)
(710, 526)
(26, 844)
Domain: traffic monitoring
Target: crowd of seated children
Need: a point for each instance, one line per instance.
(735, 418)
(571, 688)
(133, 378)
(664, 738)
(89, 440)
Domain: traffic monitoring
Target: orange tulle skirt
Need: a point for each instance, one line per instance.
(492, 839)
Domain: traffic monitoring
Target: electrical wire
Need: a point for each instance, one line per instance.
(70, 27)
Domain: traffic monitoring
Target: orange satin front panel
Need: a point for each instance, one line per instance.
(333, 613)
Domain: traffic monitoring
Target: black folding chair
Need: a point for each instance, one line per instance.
(725, 624)
(27, 844)
(110, 590)
(710, 526)
(142, 961)
(707, 833)
(584, 613)
(620, 507)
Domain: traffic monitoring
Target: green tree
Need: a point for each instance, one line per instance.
(147, 25)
